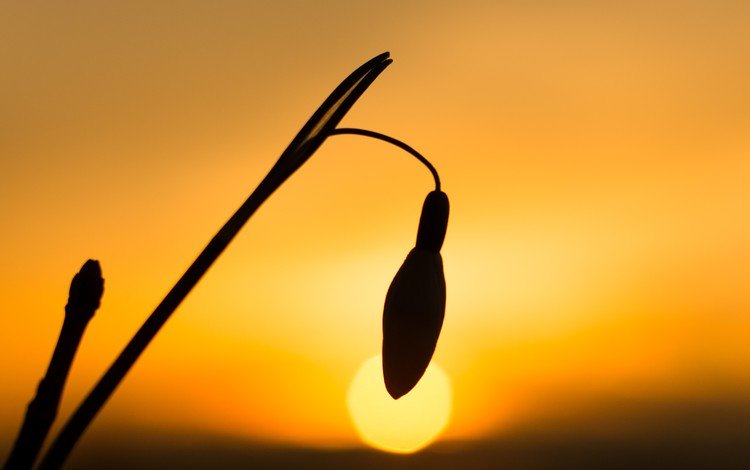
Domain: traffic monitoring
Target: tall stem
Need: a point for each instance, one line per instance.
(312, 135)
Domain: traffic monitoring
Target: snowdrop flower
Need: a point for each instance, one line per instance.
(415, 303)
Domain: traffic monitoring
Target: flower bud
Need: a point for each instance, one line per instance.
(85, 291)
(415, 303)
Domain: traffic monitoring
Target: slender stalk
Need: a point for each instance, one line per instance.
(394, 141)
(311, 136)
(85, 294)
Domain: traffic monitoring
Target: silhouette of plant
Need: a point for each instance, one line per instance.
(415, 303)
(85, 294)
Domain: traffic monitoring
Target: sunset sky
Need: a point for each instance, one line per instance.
(596, 155)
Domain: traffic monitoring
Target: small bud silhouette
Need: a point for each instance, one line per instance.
(85, 291)
(415, 303)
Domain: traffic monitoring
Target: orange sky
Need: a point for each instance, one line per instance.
(596, 157)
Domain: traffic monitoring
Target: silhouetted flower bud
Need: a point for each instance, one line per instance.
(85, 291)
(415, 303)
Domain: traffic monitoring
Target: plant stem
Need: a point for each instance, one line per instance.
(311, 136)
(85, 293)
(393, 141)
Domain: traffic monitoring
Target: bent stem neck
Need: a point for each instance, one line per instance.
(392, 141)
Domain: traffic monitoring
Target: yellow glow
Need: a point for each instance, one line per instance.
(405, 425)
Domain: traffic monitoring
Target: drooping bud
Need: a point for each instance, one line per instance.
(415, 303)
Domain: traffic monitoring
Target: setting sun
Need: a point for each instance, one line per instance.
(405, 425)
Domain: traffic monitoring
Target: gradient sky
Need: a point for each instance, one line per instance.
(597, 157)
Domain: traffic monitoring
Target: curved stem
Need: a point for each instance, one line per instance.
(393, 141)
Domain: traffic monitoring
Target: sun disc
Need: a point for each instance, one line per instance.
(405, 425)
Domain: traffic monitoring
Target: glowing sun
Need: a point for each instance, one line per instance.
(405, 425)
